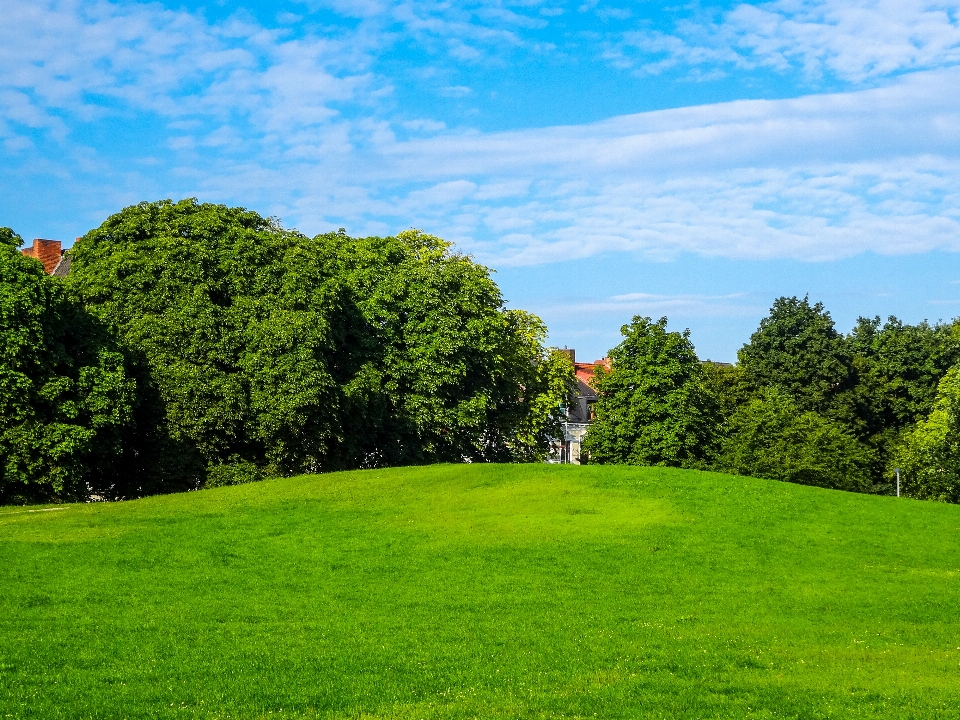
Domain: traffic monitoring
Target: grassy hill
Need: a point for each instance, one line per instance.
(484, 591)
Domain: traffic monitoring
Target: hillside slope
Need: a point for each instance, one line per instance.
(484, 591)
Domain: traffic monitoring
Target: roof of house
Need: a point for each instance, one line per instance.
(63, 267)
(48, 252)
(585, 371)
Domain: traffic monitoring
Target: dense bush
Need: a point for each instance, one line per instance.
(66, 401)
(771, 437)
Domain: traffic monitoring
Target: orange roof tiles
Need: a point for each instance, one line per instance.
(585, 370)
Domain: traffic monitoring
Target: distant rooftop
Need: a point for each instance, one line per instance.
(51, 253)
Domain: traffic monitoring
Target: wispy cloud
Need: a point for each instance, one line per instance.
(301, 125)
(852, 40)
(653, 305)
(74, 61)
(816, 178)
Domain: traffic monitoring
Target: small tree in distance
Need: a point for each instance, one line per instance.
(652, 406)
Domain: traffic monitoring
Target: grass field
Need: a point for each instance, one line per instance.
(484, 591)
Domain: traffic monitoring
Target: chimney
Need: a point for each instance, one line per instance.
(571, 353)
(48, 252)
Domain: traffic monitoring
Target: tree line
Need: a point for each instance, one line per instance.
(804, 403)
(195, 345)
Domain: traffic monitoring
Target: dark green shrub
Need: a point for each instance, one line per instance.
(771, 437)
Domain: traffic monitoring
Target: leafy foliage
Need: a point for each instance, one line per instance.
(445, 372)
(652, 406)
(552, 387)
(238, 330)
(876, 382)
(258, 351)
(929, 454)
(197, 344)
(730, 386)
(798, 349)
(65, 398)
(898, 367)
(771, 437)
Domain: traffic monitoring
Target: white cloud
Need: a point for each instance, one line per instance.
(88, 60)
(814, 178)
(256, 117)
(424, 125)
(455, 91)
(502, 190)
(448, 193)
(654, 305)
(852, 40)
(614, 13)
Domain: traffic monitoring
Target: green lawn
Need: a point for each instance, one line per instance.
(484, 591)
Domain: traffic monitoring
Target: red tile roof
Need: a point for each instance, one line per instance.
(585, 370)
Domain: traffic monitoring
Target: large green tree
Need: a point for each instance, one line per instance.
(652, 406)
(240, 335)
(66, 401)
(258, 350)
(798, 349)
(446, 373)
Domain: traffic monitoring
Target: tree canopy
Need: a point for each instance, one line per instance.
(196, 345)
(875, 382)
(236, 329)
(257, 351)
(444, 371)
(798, 349)
(652, 406)
(898, 367)
(66, 402)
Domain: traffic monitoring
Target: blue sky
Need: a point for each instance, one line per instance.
(606, 158)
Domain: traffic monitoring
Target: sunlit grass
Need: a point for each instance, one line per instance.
(484, 591)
